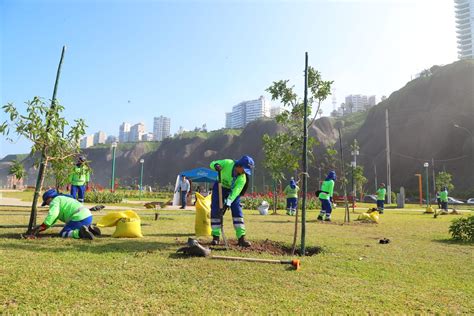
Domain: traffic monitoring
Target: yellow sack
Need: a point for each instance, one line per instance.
(372, 217)
(202, 223)
(111, 219)
(127, 222)
(128, 227)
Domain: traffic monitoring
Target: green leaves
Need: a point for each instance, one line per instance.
(284, 150)
(44, 126)
(443, 179)
(17, 169)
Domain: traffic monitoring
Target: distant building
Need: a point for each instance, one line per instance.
(356, 103)
(228, 120)
(464, 10)
(14, 183)
(136, 132)
(275, 111)
(148, 137)
(124, 132)
(87, 141)
(111, 139)
(99, 138)
(161, 127)
(248, 111)
(372, 101)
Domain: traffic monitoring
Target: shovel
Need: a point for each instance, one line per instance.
(221, 209)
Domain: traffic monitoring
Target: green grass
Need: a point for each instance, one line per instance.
(421, 271)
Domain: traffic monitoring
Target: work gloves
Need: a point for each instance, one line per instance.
(228, 202)
(217, 167)
(37, 229)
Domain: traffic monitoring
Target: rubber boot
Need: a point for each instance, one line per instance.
(95, 230)
(84, 233)
(243, 242)
(327, 219)
(320, 217)
(215, 240)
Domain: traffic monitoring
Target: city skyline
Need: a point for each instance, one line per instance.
(226, 54)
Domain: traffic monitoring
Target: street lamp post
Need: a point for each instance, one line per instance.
(426, 165)
(141, 177)
(112, 181)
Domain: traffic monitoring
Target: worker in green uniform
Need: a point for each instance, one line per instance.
(77, 217)
(234, 178)
(443, 196)
(381, 192)
(291, 193)
(325, 196)
(79, 178)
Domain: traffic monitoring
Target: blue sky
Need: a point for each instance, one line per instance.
(193, 60)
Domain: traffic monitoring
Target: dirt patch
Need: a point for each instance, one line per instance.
(264, 246)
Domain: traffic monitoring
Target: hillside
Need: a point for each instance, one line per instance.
(422, 115)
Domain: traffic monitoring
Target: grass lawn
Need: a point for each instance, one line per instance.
(420, 271)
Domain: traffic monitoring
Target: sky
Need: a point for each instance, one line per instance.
(130, 61)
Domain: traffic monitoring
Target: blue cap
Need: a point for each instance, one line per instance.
(51, 193)
(292, 184)
(247, 163)
(331, 175)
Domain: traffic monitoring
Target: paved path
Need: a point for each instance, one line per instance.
(17, 202)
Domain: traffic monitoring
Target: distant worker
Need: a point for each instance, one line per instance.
(234, 177)
(183, 188)
(291, 193)
(79, 179)
(381, 192)
(77, 217)
(443, 196)
(325, 196)
(438, 200)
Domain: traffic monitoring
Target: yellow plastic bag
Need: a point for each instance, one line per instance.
(127, 222)
(111, 219)
(202, 223)
(371, 217)
(128, 227)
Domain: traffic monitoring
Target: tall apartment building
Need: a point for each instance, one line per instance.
(228, 120)
(161, 127)
(100, 137)
(464, 10)
(86, 141)
(246, 112)
(136, 132)
(124, 132)
(356, 103)
(148, 137)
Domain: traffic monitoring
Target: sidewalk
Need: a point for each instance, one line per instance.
(17, 202)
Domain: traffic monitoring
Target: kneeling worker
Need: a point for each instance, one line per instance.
(234, 177)
(77, 217)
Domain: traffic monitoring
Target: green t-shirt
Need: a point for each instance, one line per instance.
(443, 196)
(229, 181)
(327, 186)
(291, 193)
(381, 192)
(79, 175)
(65, 209)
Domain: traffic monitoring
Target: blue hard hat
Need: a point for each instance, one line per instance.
(247, 163)
(51, 193)
(331, 175)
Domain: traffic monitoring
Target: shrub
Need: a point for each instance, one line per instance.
(462, 229)
(103, 197)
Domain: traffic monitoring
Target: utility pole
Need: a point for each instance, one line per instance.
(387, 138)
(375, 174)
(354, 153)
